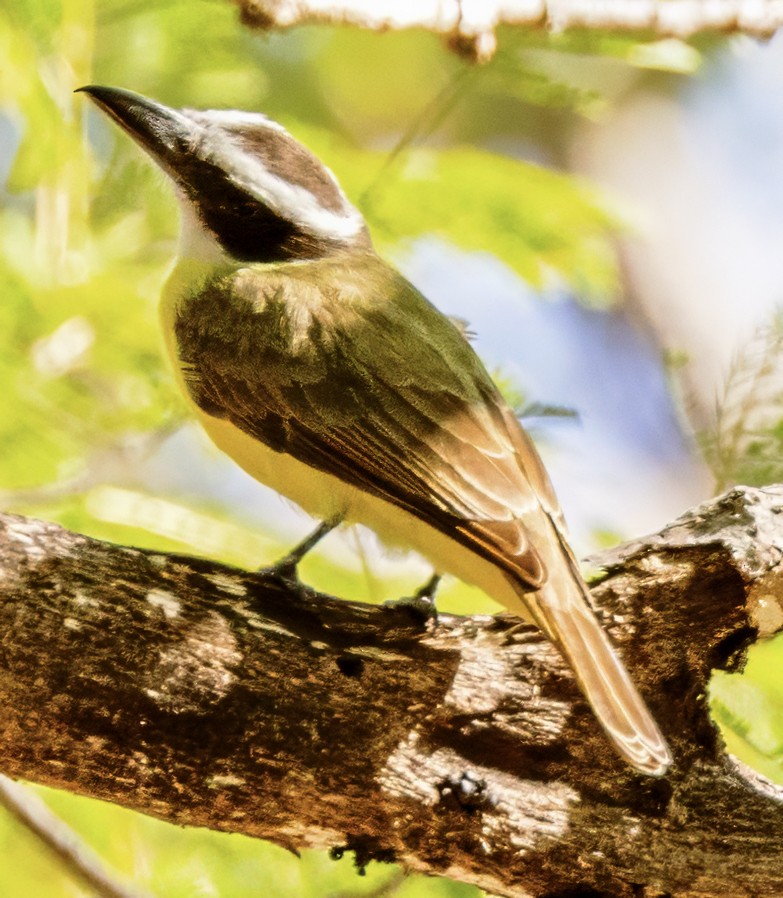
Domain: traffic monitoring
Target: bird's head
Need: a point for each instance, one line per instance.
(248, 188)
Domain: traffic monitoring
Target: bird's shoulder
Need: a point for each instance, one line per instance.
(355, 307)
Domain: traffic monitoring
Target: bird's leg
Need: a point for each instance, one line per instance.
(422, 602)
(286, 567)
(427, 592)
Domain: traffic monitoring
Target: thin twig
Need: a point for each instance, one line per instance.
(425, 123)
(77, 857)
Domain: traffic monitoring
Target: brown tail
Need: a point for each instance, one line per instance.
(561, 608)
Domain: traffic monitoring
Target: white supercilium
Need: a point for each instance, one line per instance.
(290, 201)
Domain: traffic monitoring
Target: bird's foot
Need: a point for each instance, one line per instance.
(422, 602)
(287, 567)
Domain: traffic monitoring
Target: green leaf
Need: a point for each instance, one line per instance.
(549, 228)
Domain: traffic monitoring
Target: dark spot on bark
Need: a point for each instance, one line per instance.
(730, 653)
(350, 665)
(466, 792)
(653, 795)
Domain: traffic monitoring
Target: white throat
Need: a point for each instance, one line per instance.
(197, 243)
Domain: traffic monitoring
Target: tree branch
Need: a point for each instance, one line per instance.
(469, 28)
(215, 697)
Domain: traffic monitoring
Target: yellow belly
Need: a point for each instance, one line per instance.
(325, 496)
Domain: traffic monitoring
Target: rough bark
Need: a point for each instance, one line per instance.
(216, 697)
(470, 27)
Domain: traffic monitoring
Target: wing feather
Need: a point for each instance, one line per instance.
(375, 387)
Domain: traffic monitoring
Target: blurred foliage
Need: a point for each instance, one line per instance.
(745, 446)
(748, 707)
(746, 443)
(422, 142)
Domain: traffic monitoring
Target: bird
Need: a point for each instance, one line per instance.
(328, 376)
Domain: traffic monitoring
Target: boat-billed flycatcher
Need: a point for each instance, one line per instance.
(319, 369)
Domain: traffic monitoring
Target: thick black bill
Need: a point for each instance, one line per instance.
(164, 133)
